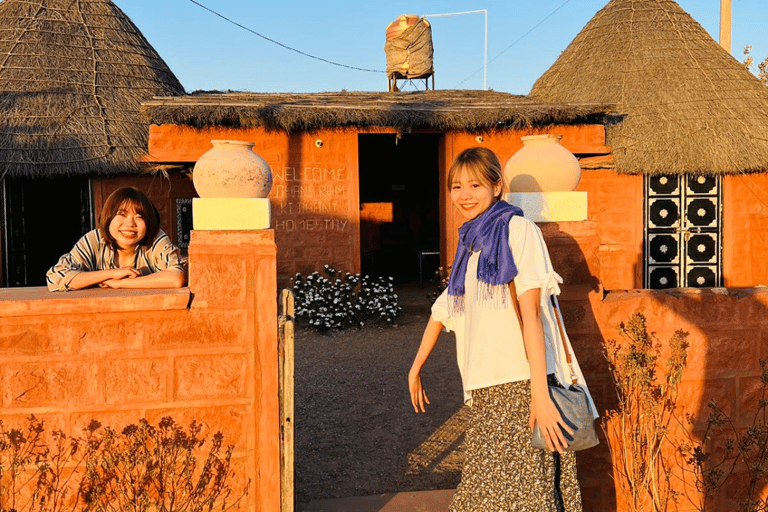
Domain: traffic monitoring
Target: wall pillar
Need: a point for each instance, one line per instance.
(236, 271)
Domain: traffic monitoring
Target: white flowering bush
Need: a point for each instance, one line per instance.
(336, 301)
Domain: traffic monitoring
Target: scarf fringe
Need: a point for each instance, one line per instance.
(487, 233)
(495, 296)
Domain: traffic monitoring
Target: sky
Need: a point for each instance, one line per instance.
(207, 52)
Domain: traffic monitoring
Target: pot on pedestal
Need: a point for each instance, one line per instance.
(231, 169)
(542, 165)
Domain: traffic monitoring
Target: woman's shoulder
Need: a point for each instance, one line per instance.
(161, 235)
(162, 242)
(92, 238)
(522, 224)
(525, 233)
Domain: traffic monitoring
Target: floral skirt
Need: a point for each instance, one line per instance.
(502, 472)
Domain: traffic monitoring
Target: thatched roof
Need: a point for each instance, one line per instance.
(442, 110)
(690, 106)
(72, 79)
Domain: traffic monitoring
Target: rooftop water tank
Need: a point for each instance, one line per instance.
(409, 50)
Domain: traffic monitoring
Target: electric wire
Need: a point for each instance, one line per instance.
(283, 45)
(359, 68)
(516, 41)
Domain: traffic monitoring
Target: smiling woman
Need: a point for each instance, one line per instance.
(129, 250)
(498, 303)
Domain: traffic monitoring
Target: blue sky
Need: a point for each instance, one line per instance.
(206, 52)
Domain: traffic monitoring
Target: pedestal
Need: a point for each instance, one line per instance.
(214, 214)
(550, 206)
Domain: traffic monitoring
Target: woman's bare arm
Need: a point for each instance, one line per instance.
(428, 342)
(161, 279)
(84, 279)
(543, 410)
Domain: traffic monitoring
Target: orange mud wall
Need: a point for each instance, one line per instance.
(745, 230)
(315, 191)
(206, 353)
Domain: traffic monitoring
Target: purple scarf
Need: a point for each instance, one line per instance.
(488, 233)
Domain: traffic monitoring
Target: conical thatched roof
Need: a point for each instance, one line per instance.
(690, 106)
(73, 75)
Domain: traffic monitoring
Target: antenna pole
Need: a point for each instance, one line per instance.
(725, 24)
(485, 61)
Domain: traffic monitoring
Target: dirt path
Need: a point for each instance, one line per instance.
(356, 431)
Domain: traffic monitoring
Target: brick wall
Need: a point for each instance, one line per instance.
(205, 353)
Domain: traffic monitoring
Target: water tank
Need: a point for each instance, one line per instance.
(409, 48)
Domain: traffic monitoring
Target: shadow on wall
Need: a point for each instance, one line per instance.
(581, 292)
(726, 343)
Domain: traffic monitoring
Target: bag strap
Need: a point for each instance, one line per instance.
(568, 358)
(555, 305)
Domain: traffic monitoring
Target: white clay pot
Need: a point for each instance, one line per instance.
(232, 169)
(542, 165)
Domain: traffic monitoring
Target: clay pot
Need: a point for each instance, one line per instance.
(542, 165)
(232, 169)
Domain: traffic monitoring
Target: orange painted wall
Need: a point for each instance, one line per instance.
(745, 230)
(615, 205)
(205, 353)
(727, 340)
(315, 195)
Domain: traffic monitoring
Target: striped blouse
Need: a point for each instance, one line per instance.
(92, 252)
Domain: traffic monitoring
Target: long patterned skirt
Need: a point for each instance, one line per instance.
(502, 472)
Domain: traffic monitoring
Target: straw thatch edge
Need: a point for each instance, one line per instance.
(440, 110)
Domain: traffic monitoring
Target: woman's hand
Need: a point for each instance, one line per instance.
(117, 275)
(124, 273)
(545, 413)
(418, 395)
(428, 341)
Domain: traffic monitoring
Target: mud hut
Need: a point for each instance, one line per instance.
(359, 176)
(72, 78)
(689, 147)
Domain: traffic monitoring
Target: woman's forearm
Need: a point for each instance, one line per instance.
(162, 279)
(533, 338)
(428, 342)
(84, 279)
(419, 398)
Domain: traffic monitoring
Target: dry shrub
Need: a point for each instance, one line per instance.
(637, 430)
(163, 468)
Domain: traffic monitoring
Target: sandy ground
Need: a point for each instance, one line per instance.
(356, 431)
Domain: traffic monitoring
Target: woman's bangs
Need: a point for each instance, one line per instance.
(130, 203)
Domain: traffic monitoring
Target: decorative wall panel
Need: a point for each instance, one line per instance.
(683, 228)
